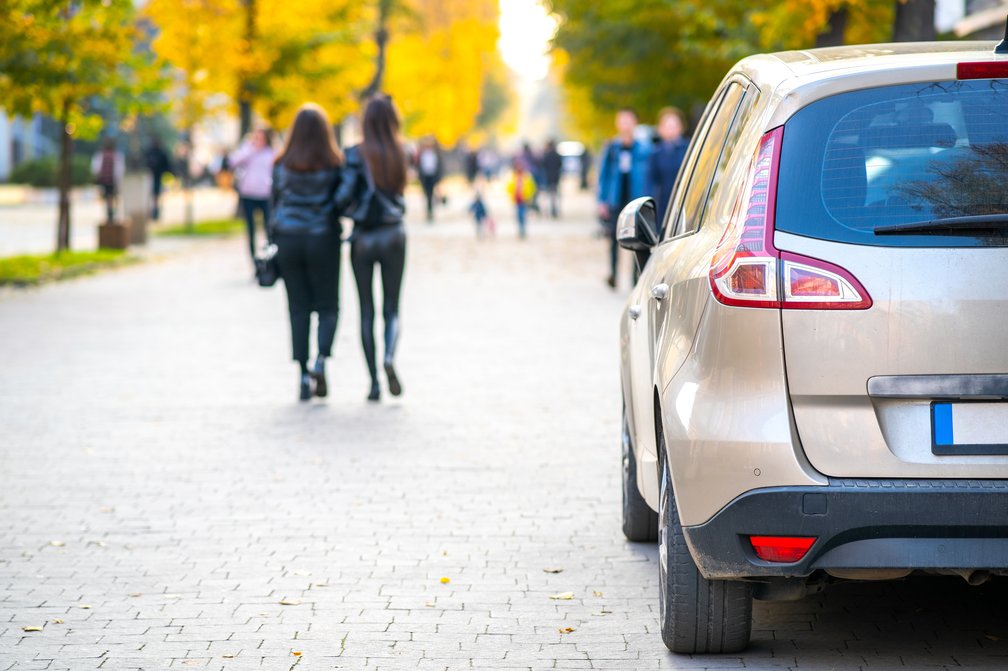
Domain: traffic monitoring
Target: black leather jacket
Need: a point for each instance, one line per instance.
(303, 202)
(356, 199)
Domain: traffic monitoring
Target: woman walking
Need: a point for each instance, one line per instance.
(371, 193)
(306, 230)
(253, 161)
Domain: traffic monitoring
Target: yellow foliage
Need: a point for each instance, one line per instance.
(795, 24)
(438, 60)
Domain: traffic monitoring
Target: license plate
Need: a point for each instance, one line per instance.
(969, 428)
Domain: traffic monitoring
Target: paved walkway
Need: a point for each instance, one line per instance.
(166, 503)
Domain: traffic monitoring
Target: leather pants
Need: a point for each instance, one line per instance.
(385, 246)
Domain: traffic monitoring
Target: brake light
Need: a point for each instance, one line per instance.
(782, 549)
(982, 70)
(748, 271)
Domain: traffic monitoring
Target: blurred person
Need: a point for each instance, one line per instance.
(159, 165)
(622, 177)
(532, 165)
(488, 162)
(430, 169)
(108, 166)
(371, 193)
(480, 212)
(666, 157)
(521, 189)
(552, 169)
(586, 164)
(306, 230)
(471, 164)
(253, 164)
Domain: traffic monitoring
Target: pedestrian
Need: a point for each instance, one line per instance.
(108, 166)
(480, 213)
(306, 230)
(667, 157)
(622, 177)
(159, 165)
(586, 165)
(472, 168)
(430, 168)
(371, 194)
(533, 166)
(521, 189)
(253, 164)
(552, 169)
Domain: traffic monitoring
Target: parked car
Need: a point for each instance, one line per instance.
(814, 360)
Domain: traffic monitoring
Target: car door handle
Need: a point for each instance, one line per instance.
(659, 291)
(634, 311)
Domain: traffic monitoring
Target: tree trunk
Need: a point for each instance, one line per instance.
(381, 39)
(187, 181)
(915, 21)
(245, 93)
(65, 181)
(834, 33)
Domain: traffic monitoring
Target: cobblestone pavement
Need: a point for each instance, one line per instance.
(166, 503)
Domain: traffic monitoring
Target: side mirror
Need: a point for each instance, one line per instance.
(637, 225)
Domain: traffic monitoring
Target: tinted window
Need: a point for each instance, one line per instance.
(896, 155)
(717, 193)
(684, 179)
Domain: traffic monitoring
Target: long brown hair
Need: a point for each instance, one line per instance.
(381, 148)
(311, 145)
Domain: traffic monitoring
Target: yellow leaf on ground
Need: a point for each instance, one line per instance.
(56, 620)
(290, 602)
(57, 544)
(562, 596)
(296, 653)
(552, 570)
(31, 628)
(136, 594)
(228, 656)
(596, 593)
(84, 606)
(445, 580)
(566, 630)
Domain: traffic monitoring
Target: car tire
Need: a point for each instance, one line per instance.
(640, 523)
(697, 616)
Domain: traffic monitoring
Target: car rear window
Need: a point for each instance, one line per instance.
(897, 155)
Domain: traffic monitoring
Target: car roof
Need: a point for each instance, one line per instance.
(799, 77)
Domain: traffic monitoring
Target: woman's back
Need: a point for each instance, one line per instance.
(304, 201)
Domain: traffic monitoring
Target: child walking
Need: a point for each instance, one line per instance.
(521, 189)
(480, 213)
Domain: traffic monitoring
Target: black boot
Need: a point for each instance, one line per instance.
(375, 393)
(318, 376)
(391, 339)
(306, 390)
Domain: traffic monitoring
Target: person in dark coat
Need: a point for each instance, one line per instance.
(552, 169)
(371, 194)
(159, 164)
(430, 169)
(306, 229)
(667, 157)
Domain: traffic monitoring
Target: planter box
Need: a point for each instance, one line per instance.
(113, 236)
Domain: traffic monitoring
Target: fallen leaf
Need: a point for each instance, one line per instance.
(84, 606)
(445, 580)
(31, 628)
(173, 596)
(228, 656)
(320, 584)
(100, 544)
(296, 653)
(290, 602)
(602, 612)
(301, 573)
(444, 553)
(192, 662)
(57, 544)
(562, 596)
(56, 620)
(106, 509)
(566, 630)
(596, 593)
(552, 570)
(136, 594)
(430, 604)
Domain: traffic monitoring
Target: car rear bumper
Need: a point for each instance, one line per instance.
(861, 524)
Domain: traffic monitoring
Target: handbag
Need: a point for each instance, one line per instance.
(267, 270)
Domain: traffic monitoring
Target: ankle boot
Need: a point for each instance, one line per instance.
(391, 339)
(318, 376)
(306, 390)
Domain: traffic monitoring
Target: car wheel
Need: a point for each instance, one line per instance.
(697, 616)
(640, 523)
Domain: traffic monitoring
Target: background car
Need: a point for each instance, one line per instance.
(814, 365)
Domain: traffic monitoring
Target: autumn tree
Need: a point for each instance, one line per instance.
(57, 56)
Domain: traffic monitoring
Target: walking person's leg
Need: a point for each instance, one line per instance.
(520, 211)
(362, 261)
(248, 211)
(428, 188)
(264, 207)
(156, 196)
(393, 262)
(294, 270)
(324, 274)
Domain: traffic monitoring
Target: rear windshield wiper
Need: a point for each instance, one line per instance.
(981, 222)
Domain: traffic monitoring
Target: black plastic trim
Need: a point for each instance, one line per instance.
(861, 523)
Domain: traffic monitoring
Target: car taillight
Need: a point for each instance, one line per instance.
(982, 70)
(748, 271)
(781, 549)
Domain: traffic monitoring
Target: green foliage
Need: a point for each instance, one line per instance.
(42, 172)
(31, 269)
(214, 228)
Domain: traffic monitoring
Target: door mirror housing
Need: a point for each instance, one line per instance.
(637, 225)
